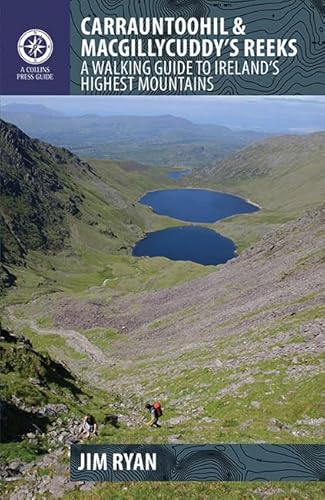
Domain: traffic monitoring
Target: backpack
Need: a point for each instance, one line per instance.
(157, 407)
(90, 420)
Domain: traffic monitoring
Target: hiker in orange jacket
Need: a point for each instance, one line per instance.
(155, 412)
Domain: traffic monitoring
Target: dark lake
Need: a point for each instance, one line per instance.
(194, 243)
(196, 205)
(178, 174)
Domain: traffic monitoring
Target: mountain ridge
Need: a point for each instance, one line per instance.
(150, 139)
(29, 108)
(241, 161)
(30, 173)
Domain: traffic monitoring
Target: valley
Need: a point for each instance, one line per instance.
(163, 140)
(234, 352)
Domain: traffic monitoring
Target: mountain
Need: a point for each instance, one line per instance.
(285, 173)
(269, 114)
(154, 140)
(273, 156)
(37, 193)
(37, 109)
(48, 193)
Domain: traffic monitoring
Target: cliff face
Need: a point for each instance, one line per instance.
(37, 193)
(45, 192)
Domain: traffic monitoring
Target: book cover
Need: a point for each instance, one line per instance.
(162, 249)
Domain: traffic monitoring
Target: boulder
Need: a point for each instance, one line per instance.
(112, 420)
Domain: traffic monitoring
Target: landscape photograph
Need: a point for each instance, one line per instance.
(159, 249)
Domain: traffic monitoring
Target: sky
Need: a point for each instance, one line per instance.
(276, 113)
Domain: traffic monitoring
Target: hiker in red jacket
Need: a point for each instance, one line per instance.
(155, 412)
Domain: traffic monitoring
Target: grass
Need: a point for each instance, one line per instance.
(204, 490)
(24, 451)
(65, 273)
(101, 337)
(193, 387)
(45, 322)
(232, 417)
(46, 344)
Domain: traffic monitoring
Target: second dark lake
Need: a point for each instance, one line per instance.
(196, 205)
(194, 243)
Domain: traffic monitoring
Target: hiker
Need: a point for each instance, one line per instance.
(155, 412)
(88, 426)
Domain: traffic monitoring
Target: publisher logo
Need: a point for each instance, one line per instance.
(35, 46)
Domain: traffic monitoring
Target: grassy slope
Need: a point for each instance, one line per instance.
(284, 175)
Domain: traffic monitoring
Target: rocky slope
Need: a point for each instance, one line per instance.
(36, 193)
(37, 196)
(34, 389)
(39, 417)
(270, 277)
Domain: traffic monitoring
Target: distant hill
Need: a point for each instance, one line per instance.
(37, 109)
(153, 140)
(285, 172)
